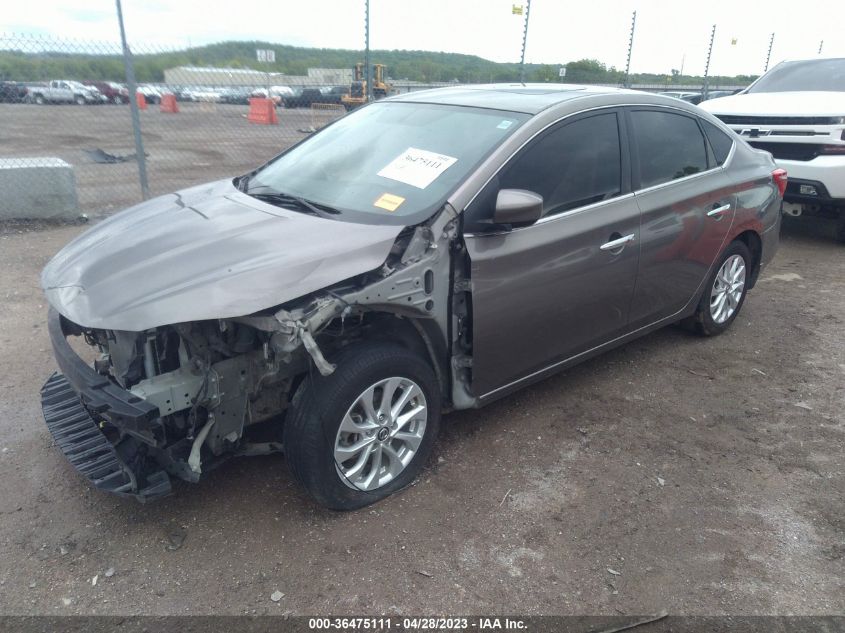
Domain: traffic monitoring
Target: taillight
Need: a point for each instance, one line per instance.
(779, 177)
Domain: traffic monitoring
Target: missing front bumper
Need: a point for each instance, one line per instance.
(89, 451)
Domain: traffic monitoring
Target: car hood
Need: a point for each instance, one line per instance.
(207, 252)
(779, 104)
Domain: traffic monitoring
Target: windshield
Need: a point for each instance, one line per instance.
(388, 161)
(825, 75)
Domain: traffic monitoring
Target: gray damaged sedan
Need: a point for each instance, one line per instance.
(428, 252)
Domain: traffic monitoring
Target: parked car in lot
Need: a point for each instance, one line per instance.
(333, 94)
(114, 92)
(336, 300)
(796, 111)
(276, 93)
(718, 94)
(203, 93)
(235, 95)
(303, 98)
(64, 91)
(689, 97)
(152, 94)
(12, 92)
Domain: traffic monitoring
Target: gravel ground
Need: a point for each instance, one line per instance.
(204, 141)
(676, 473)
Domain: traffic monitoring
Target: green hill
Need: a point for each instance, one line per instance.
(424, 66)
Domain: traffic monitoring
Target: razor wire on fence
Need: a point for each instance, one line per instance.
(68, 145)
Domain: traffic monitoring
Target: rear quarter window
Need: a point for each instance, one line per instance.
(720, 142)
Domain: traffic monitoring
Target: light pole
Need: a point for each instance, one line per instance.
(524, 40)
(140, 157)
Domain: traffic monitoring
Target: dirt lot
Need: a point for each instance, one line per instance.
(676, 473)
(202, 142)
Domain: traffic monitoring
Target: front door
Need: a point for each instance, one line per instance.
(546, 292)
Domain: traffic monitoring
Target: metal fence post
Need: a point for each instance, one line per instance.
(705, 87)
(769, 54)
(524, 41)
(133, 105)
(369, 70)
(630, 48)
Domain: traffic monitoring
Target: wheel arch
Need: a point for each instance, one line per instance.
(754, 242)
(422, 336)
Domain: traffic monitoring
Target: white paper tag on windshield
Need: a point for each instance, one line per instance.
(417, 167)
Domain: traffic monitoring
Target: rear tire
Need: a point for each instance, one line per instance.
(80, 100)
(724, 292)
(347, 454)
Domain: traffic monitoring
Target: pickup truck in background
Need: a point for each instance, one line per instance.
(796, 111)
(65, 91)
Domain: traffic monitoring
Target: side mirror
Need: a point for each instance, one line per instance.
(518, 207)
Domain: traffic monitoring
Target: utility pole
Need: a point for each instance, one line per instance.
(769, 54)
(821, 44)
(524, 40)
(140, 157)
(630, 48)
(707, 65)
(368, 67)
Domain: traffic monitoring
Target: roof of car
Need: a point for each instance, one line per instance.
(527, 98)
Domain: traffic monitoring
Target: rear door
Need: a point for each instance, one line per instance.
(545, 292)
(687, 203)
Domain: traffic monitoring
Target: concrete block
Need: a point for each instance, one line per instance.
(37, 189)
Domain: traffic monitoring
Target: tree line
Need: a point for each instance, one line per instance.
(423, 66)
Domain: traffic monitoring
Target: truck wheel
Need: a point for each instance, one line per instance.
(724, 292)
(365, 431)
(39, 99)
(80, 100)
(116, 100)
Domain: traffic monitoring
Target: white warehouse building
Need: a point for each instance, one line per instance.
(207, 76)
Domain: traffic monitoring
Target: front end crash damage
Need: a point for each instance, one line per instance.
(177, 400)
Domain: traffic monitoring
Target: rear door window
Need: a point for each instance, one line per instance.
(668, 145)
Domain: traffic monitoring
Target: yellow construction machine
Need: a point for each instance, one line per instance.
(358, 90)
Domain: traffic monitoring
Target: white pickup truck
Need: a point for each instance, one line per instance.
(65, 91)
(796, 111)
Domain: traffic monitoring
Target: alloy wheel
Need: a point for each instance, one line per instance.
(727, 290)
(380, 433)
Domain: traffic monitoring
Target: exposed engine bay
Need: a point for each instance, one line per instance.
(221, 387)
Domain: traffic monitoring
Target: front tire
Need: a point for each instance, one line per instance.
(725, 291)
(364, 432)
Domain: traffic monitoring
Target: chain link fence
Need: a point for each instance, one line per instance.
(67, 143)
(67, 138)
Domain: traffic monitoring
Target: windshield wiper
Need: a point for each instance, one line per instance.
(301, 204)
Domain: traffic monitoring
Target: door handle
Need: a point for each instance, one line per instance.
(617, 244)
(718, 211)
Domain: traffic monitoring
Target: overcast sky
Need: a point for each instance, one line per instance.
(668, 33)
